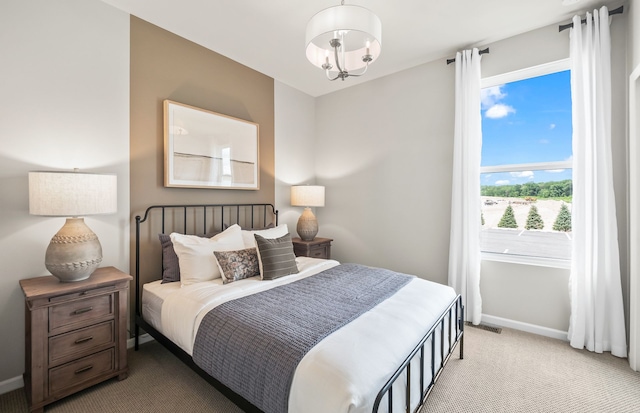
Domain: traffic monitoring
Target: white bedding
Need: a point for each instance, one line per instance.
(345, 371)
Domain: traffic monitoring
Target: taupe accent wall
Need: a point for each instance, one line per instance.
(166, 66)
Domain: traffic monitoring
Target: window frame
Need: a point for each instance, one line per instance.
(514, 76)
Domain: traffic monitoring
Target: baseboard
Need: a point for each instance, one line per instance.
(11, 384)
(144, 338)
(529, 328)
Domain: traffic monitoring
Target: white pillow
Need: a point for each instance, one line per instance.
(271, 233)
(195, 254)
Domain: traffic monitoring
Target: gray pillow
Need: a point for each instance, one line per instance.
(237, 265)
(170, 265)
(276, 257)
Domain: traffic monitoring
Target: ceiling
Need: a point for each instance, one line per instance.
(269, 36)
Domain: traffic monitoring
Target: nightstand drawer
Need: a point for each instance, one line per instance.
(82, 294)
(318, 252)
(78, 342)
(79, 371)
(316, 248)
(81, 311)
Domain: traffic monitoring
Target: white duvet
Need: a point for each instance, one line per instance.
(345, 371)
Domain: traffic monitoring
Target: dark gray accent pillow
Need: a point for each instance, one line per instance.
(276, 257)
(237, 265)
(170, 265)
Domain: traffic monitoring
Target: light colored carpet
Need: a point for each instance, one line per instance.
(508, 372)
(521, 372)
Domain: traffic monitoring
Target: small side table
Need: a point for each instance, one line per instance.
(317, 248)
(76, 334)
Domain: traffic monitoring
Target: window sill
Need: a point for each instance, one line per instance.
(526, 260)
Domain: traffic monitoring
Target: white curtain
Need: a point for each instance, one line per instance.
(464, 248)
(597, 315)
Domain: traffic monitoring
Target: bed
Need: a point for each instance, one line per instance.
(385, 356)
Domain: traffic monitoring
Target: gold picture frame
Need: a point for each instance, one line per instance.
(204, 149)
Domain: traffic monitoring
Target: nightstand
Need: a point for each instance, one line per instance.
(76, 334)
(318, 248)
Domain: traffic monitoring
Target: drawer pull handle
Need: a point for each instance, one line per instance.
(83, 369)
(84, 339)
(82, 310)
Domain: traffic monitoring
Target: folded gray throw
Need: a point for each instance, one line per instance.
(254, 344)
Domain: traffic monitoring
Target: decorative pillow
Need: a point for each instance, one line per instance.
(195, 254)
(276, 257)
(170, 266)
(237, 265)
(270, 233)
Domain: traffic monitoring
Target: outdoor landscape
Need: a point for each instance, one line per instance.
(518, 223)
(493, 209)
(526, 162)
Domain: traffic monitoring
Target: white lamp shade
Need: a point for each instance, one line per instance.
(359, 25)
(72, 194)
(307, 195)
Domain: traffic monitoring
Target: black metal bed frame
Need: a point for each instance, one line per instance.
(454, 312)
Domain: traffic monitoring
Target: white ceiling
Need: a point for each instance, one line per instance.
(269, 36)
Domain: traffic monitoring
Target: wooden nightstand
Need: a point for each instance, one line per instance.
(76, 334)
(318, 248)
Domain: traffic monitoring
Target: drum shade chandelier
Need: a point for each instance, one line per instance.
(343, 39)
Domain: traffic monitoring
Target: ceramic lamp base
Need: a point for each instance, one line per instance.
(74, 252)
(307, 225)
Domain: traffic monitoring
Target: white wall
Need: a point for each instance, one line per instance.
(633, 10)
(294, 149)
(65, 104)
(384, 152)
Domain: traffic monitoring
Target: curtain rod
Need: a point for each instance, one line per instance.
(483, 51)
(619, 10)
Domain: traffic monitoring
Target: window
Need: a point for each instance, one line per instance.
(525, 174)
(226, 161)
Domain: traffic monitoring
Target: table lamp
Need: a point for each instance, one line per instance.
(307, 196)
(75, 251)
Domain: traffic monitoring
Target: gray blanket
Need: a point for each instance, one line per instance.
(254, 344)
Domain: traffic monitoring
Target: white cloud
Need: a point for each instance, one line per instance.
(498, 111)
(502, 182)
(489, 96)
(543, 141)
(552, 126)
(522, 174)
(555, 171)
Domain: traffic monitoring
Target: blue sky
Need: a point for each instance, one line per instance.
(525, 122)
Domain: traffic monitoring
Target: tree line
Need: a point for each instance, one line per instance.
(557, 189)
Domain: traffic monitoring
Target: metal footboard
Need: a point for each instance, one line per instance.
(454, 331)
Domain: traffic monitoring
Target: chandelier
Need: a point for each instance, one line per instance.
(343, 39)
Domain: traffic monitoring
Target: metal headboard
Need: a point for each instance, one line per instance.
(187, 219)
